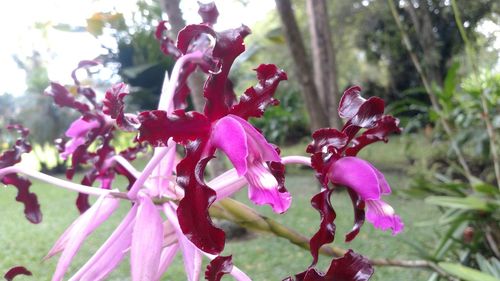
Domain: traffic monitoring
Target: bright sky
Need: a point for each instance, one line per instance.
(63, 50)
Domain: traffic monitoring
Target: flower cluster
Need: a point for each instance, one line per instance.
(176, 188)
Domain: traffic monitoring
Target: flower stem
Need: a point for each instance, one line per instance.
(55, 181)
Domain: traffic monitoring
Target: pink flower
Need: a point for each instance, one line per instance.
(370, 184)
(251, 154)
(77, 131)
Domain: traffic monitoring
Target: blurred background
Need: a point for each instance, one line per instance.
(434, 62)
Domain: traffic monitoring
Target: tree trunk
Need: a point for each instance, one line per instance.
(317, 115)
(422, 23)
(323, 58)
(174, 14)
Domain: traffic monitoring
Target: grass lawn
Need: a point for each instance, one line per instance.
(263, 257)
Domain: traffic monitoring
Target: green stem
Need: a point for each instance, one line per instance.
(241, 214)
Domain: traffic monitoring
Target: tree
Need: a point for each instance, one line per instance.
(324, 59)
(317, 114)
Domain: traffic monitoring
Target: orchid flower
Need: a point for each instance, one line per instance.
(370, 185)
(333, 156)
(77, 131)
(249, 152)
(175, 187)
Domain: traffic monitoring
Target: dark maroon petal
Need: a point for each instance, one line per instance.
(88, 93)
(369, 112)
(82, 64)
(22, 131)
(131, 153)
(350, 267)
(113, 105)
(359, 215)
(278, 171)
(384, 126)
(15, 271)
(9, 158)
(256, 99)
(157, 127)
(326, 232)
(119, 169)
(182, 89)
(24, 196)
(326, 147)
(229, 94)
(218, 267)
(208, 12)
(191, 32)
(63, 98)
(361, 113)
(350, 102)
(195, 221)
(13, 155)
(82, 202)
(167, 45)
(229, 45)
(80, 156)
(193, 214)
(327, 140)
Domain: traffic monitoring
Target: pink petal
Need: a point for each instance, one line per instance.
(263, 189)
(358, 175)
(229, 135)
(257, 144)
(162, 176)
(167, 256)
(111, 253)
(147, 240)
(77, 131)
(384, 186)
(80, 127)
(227, 184)
(382, 216)
(73, 238)
(97, 217)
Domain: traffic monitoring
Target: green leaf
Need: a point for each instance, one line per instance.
(466, 203)
(450, 82)
(483, 187)
(433, 115)
(486, 266)
(466, 273)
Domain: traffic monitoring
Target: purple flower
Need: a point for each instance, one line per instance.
(370, 184)
(250, 154)
(77, 131)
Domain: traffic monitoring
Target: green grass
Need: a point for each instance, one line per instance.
(263, 257)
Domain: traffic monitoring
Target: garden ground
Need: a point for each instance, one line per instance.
(263, 257)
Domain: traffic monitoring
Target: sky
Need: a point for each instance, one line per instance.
(63, 50)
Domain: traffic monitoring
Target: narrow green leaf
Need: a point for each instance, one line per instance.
(450, 81)
(466, 273)
(466, 203)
